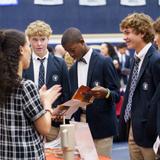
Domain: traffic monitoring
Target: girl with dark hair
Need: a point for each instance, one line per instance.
(23, 119)
(108, 50)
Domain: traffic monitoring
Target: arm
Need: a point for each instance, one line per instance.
(32, 107)
(47, 98)
(111, 89)
(43, 124)
(65, 83)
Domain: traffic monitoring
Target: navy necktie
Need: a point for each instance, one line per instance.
(41, 73)
(132, 88)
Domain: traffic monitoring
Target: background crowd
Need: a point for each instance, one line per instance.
(36, 77)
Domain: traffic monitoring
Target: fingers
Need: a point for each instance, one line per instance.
(56, 87)
(43, 88)
(57, 118)
(55, 92)
(59, 112)
(55, 96)
(96, 88)
(49, 96)
(99, 92)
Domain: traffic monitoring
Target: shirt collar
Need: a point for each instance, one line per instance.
(35, 57)
(87, 56)
(144, 51)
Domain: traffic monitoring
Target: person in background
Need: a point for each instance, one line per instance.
(96, 71)
(45, 68)
(59, 51)
(156, 26)
(50, 49)
(140, 112)
(108, 50)
(125, 64)
(23, 118)
(69, 60)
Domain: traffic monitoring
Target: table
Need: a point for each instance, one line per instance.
(52, 157)
(56, 154)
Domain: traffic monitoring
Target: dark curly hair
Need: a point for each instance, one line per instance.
(10, 42)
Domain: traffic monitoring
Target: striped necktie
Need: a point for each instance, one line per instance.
(41, 73)
(132, 88)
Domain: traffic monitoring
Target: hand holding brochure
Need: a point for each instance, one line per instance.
(82, 97)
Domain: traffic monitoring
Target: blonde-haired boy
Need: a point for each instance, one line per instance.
(139, 108)
(45, 68)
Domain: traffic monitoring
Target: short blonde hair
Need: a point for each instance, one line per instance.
(140, 23)
(38, 28)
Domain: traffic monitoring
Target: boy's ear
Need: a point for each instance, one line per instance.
(82, 41)
(21, 50)
(142, 35)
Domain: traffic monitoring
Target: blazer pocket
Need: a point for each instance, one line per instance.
(144, 120)
(150, 126)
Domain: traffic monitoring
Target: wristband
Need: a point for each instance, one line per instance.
(108, 93)
(50, 110)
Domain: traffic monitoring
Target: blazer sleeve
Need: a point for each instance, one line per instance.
(111, 79)
(66, 88)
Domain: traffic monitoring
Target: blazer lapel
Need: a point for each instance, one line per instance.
(75, 84)
(145, 62)
(73, 78)
(49, 65)
(30, 71)
(91, 67)
(130, 76)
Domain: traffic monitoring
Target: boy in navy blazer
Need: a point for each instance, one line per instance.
(54, 68)
(139, 111)
(96, 71)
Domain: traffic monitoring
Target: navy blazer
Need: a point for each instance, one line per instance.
(144, 119)
(101, 114)
(56, 67)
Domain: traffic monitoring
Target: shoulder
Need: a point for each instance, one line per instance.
(154, 60)
(155, 55)
(28, 85)
(100, 55)
(101, 60)
(56, 59)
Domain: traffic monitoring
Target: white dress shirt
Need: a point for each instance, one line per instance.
(82, 69)
(36, 65)
(142, 54)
